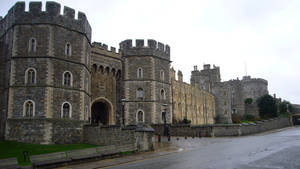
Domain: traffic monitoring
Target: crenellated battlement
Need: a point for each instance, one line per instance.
(248, 79)
(153, 48)
(17, 15)
(102, 48)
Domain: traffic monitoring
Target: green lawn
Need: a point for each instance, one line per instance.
(15, 149)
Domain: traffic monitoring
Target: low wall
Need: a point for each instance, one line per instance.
(112, 135)
(44, 131)
(139, 136)
(220, 130)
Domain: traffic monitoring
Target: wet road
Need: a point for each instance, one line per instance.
(273, 150)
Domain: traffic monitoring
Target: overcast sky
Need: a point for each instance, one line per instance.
(264, 34)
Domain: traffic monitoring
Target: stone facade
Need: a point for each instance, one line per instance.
(54, 80)
(230, 95)
(190, 102)
(146, 81)
(48, 74)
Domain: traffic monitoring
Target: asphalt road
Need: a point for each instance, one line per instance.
(272, 150)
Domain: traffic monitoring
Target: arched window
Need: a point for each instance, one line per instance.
(140, 93)
(66, 110)
(29, 108)
(162, 94)
(162, 75)
(32, 45)
(94, 67)
(140, 73)
(67, 78)
(68, 49)
(140, 116)
(30, 76)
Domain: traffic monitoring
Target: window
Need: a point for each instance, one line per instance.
(162, 94)
(32, 45)
(140, 73)
(66, 110)
(68, 49)
(86, 113)
(140, 116)
(140, 93)
(67, 78)
(29, 108)
(30, 76)
(162, 75)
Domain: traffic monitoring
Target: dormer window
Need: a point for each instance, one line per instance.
(68, 49)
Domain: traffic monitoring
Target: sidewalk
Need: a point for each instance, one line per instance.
(160, 149)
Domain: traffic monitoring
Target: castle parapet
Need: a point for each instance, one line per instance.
(17, 15)
(255, 80)
(153, 48)
(102, 48)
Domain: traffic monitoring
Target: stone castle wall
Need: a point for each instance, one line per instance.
(191, 102)
(106, 79)
(152, 60)
(224, 130)
(51, 33)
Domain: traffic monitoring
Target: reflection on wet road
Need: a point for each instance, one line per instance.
(263, 151)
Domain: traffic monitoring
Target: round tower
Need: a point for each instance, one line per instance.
(146, 82)
(49, 76)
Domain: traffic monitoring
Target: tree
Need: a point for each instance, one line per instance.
(285, 107)
(267, 106)
(248, 101)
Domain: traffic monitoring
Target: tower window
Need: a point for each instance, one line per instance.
(162, 94)
(68, 49)
(140, 73)
(66, 110)
(140, 116)
(32, 45)
(29, 108)
(162, 75)
(67, 78)
(140, 93)
(30, 76)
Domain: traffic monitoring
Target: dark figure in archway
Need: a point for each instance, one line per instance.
(100, 113)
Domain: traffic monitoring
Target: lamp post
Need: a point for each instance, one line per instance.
(166, 129)
(123, 111)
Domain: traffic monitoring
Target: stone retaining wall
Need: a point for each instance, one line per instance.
(220, 130)
(139, 136)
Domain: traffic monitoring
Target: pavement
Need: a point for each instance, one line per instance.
(278, 149)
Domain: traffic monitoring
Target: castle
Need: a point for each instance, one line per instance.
(54, 80)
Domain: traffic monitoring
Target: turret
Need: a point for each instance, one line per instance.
(154, 48)
(17, 15)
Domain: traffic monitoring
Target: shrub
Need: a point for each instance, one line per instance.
(249, 117)
(248, 101)
(236, 118)
(267, 106)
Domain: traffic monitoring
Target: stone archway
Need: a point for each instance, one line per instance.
(102, 112)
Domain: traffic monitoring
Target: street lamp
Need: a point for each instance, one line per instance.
(123, 111)
(166, 129)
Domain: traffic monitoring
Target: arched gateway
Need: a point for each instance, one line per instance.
(102, 112)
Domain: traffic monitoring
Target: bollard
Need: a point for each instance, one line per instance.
(169, 137)
(158, 138)
(184, 137)
(200, 134)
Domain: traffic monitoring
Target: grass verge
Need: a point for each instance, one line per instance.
(10, 149)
